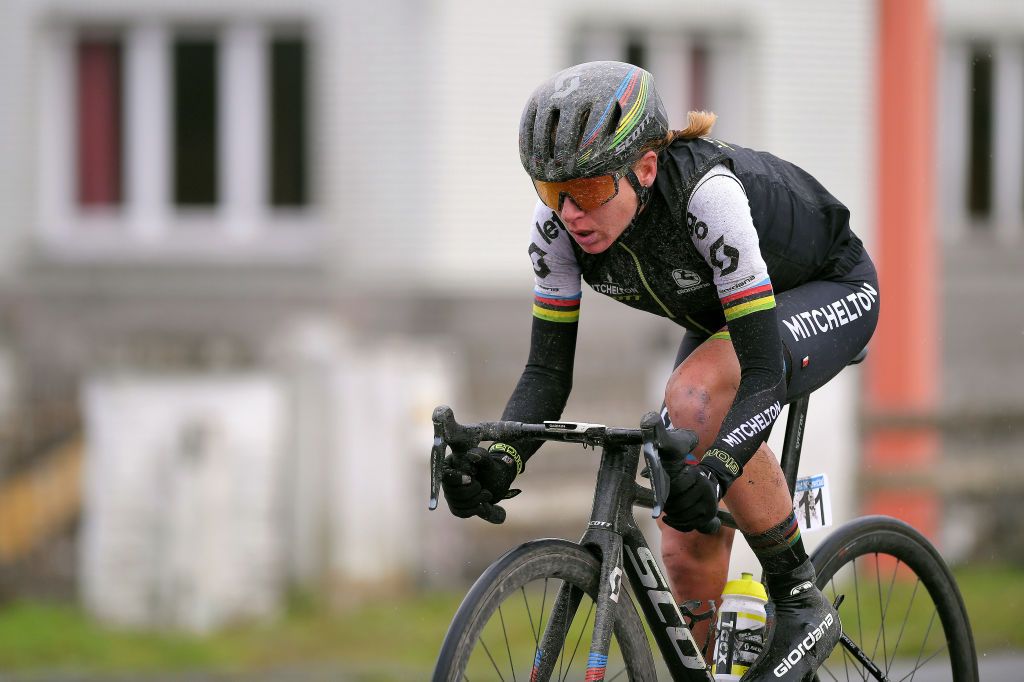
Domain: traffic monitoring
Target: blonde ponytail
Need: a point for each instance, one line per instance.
(698, 124)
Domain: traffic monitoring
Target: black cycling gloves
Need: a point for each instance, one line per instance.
(693, 495)
(475, 481)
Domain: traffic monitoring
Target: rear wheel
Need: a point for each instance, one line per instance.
(544, 585)
(901, 605)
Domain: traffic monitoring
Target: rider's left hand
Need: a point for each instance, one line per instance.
(692, 498)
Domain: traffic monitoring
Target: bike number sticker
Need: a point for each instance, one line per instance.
(812, 502)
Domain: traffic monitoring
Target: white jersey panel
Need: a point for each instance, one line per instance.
(557, 275)
(722, 228)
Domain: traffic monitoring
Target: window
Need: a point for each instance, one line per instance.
(635, 52)
(693, 70)
(98, 130)
(171, 139)
(195, 122)
(979, 174)
(980, 138)
(288, 111)
(699, 76)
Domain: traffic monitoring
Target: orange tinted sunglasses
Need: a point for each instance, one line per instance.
(586, 193)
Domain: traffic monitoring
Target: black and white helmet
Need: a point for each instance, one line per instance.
(590, 119)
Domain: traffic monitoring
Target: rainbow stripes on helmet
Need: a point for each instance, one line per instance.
(637, 82)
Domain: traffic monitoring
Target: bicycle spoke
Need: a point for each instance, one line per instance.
(488, 652)
(924, 643)
(847, 657)
(825, 668)
(881, 637)
(859, 670)
(885, 609)
(508, 647)
(903, 627)
(856, 590)
(578, 640)
(846, 654)
(529, 615)
(920, 665)
(535, 633)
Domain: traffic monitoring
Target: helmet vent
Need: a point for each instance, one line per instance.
(613, 120)
(552, 132)
(581, 130)
(531, 121)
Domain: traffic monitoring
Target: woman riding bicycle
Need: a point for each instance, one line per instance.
(745, 251)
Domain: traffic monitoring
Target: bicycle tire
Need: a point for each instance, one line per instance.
(504, 581)
(870, 552)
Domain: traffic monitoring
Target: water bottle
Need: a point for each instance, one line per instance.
(741, 622)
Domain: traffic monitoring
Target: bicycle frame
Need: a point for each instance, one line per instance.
(614, 537)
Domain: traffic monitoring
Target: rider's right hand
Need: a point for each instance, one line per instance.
(473, 481)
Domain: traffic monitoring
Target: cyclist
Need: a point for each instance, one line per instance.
(745, 251)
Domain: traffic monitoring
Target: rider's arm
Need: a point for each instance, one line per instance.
(544, 386)
(723, 230)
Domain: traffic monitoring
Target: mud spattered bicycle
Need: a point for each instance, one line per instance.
(557, 610)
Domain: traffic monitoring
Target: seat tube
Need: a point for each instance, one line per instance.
(793, 443)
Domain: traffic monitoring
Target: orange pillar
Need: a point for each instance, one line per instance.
(903, 367)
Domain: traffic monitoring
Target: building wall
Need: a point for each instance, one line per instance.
(420, 212)
(982, 243)
(980, 201)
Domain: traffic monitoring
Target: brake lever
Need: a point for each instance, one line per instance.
(658, 476)
(442, 416)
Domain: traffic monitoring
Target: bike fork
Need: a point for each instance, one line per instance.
(567, 603)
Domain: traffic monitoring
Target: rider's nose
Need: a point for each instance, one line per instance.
(570, 211)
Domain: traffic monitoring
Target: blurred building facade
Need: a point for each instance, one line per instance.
(189, 188)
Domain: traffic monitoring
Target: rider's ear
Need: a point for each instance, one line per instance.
(646, 168)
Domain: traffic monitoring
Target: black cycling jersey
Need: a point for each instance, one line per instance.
(714, 272)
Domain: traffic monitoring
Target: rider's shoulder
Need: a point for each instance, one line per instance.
(546, 226)
(718, 184)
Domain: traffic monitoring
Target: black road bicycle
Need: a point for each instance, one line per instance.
(553, 609)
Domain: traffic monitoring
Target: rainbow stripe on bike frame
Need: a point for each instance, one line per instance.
(536, 664)
(596, 665)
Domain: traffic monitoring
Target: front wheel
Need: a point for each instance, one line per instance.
(901, 605)
(538, 588)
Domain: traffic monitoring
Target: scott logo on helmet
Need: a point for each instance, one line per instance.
(565, 85)
(631, 138)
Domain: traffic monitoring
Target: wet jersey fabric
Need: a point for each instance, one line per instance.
(725, 231)
(801, 233)
(824, 324)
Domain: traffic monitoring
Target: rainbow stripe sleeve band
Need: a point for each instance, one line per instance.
(756, 297)
(556, 308)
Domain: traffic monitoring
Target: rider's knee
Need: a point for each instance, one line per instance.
(694, 552)
(698, 400)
